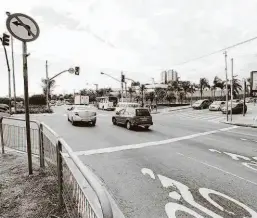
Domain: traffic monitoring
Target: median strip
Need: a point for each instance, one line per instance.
(148, 144)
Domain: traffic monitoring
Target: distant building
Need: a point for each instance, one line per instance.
(170, 75)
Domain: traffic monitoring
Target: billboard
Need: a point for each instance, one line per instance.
(254, 81)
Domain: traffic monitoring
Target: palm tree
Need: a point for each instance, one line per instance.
(204, 83)
(236, 88)
(131, 91)
(175, 87)
(51, 86)
(185, 86)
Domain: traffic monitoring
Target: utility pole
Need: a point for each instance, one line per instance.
(47, 86)
(121, 87)
(232, 78)
(14, 85)
(226, 72)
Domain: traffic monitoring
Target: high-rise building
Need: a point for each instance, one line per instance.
(170, 75)
(164, 77)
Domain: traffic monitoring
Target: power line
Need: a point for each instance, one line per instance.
(215, 52)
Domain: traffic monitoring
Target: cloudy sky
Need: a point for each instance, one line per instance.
(139, 37)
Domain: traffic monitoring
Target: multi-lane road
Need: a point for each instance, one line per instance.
(187, 165)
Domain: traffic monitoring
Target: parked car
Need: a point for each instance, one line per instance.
(59, 103)
(201, 104)
(133, 117)
(217, 105)
(237, 108)
(81, 114)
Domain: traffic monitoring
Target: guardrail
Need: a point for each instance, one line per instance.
(56, 154)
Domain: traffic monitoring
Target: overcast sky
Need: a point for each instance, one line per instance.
(139, 37)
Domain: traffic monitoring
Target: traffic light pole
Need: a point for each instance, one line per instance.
(26, 97)
(14, 85)
(9, 80)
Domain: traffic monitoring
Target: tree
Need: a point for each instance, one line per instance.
(54, 97)
(160, 92)
(135, 83)
(150, 96)
(51, 86)
(185, 86)
(204, 83)
(142, 90)
(236, 88)
(131, 91)
(218, 83)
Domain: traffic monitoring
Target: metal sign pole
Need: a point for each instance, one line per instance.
(26, 97)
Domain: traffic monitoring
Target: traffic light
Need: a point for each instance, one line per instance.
(77, 70)
(6, 40)
(122, 78)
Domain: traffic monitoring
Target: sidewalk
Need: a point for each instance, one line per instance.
(23, 195)
(249, 120)
(169, 109)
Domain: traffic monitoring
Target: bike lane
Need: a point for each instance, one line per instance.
(163, 181)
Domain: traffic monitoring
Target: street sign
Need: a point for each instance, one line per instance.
(71, 70)
(22, 27)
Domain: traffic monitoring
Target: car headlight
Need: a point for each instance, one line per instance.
(76, 113)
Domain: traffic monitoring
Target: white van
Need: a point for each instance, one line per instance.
(122, 105)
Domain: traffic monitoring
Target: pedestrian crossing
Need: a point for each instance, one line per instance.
(205, 115)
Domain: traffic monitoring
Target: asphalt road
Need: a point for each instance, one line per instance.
(186, 164)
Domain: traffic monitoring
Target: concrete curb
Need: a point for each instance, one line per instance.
(180, 109)
(241, 124)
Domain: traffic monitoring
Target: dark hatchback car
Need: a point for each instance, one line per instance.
(237, 108)
(133, 117)
(201, 104)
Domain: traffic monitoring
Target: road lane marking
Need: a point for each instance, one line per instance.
(213, 150)
(243, 139)
(217, 168)
(148, 144)
(237, 156)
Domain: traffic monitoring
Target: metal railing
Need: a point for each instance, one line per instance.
(55, 154)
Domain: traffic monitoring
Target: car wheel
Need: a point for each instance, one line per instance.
(68, 118)
(114, 121)
(93, 123)
(103, 108)
(147, 127)
(128, 125)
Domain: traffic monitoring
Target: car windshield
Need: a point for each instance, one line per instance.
(216, 103)
(198, 102)
(142, 112)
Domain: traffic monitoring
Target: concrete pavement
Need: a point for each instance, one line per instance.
(175, 166)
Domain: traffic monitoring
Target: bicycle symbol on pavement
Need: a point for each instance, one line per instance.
(182, 193)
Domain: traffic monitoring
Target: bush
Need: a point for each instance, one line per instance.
(37, 100)
(35, 109)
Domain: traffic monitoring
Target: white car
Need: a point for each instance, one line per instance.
(81, 114)
(217, 105)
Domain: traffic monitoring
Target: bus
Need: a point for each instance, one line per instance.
(106, 102)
